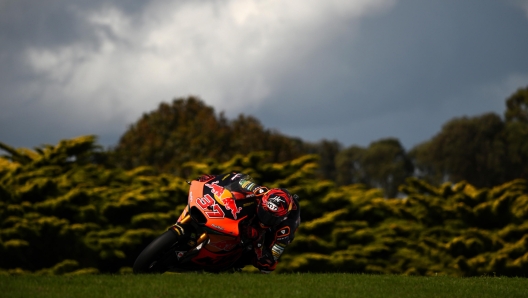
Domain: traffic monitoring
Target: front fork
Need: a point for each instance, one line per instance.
(185, 228)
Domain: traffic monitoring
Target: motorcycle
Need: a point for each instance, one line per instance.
(208, 235)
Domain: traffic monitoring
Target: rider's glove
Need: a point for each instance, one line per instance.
(265, 264)
(205, 178)
(263, 260)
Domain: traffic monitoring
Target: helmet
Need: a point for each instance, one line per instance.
(274, 207)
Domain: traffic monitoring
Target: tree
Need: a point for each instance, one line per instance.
(247, 135)
(189, 130)
(483, 150)
(349, 166)
(516, 133)
(172, 135)
(384, 164)
(387, 165)
(327, 152)
(516, 165)
(470, 149)
(517, 106)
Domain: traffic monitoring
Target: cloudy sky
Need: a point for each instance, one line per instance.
(354, 71)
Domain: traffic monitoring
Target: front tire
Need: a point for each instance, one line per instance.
(155, 258)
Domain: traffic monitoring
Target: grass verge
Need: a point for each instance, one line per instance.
(257, 285)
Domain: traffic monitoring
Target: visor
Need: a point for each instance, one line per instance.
(267, 219)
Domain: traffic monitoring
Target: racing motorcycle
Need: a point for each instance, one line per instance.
(208, 235)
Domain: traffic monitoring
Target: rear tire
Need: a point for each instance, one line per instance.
(155, 258)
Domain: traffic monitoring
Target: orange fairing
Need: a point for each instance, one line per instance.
(218, 206)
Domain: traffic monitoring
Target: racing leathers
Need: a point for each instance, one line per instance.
(265, 244)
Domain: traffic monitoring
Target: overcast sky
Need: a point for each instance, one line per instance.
(354, 71)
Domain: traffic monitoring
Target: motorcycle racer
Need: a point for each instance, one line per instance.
(273, 227)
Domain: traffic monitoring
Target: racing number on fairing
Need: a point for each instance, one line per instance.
(207, 203)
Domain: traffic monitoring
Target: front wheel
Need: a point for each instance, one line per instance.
(155, 258)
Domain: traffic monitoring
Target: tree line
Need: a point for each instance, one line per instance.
(463, 206)
(62, 211)
(485, 150)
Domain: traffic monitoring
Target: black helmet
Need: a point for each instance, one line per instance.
(274, 207)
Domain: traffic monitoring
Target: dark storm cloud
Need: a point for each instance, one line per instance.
(350, 71)
(44, 24)
(94, 66)
(409, 71)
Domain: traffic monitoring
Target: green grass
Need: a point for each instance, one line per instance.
(259, 285)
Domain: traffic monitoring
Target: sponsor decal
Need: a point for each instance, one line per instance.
(282, 233)
(272, 206)
(224, 245)
(217, 227)
(276, 200)
(212, 210)
(277, 251)
(223, 197)
(236, 176)
(215, 188)
(230, 205)
(246, 184)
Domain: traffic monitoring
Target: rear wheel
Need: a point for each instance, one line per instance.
(157, 256)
